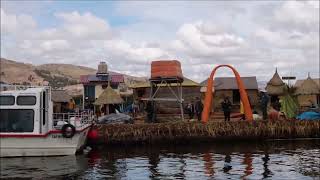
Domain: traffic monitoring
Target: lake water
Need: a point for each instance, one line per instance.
(283, 159)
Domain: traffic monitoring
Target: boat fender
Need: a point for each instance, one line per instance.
(93, 134)
(68, 130)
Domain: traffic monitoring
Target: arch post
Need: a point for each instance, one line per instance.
(208, 95)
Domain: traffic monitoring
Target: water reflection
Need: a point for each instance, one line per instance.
(247, 160)
(154, 160)
(208, 164)
(266, 171)
(227, 163)
(181, 170)
(30, 167)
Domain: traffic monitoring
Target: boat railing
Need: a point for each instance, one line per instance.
(78, 120)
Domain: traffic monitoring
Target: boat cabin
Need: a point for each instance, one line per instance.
(25, 111)
(28, 126)
(30, 110)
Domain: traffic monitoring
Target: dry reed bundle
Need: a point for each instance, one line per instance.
(189, 131)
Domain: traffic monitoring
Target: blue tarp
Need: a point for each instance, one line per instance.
(309, 115)
(128, 109)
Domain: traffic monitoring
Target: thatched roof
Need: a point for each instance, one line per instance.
(186, 83)
(109, 96)
(275, 86)
(300, 81)
(276, 80)
(275, 90)
(308, 87)
(60, 96)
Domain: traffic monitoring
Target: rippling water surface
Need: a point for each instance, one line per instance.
(299, 159)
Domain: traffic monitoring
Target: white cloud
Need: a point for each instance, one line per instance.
(292, 35)
(14, 24)
(197, 41)
(254, 37)
(8, 22)
(299, 13)
(293, 24)
(82, 39)
(55, 45)
(285, 39)
(85, 26)
(140, 54)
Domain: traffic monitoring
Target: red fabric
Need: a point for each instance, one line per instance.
(274, 115)
(166, 69)
(84, 79)
(117, 78)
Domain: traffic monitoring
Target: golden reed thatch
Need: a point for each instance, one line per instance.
(195, 131)
(275, 86)
(308, 87)
(109, 96)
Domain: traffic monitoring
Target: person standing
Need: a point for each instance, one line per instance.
(149, 109)
(71, 106)
(198, 108)
(190, 110)
(264, 105)
(134, 107)
(276, 105)
(226, 108)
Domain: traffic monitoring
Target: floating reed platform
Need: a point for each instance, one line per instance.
(187, 132)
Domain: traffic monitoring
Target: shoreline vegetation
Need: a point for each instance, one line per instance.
(188, 132)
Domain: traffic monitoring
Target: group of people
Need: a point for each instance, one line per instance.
(195, 109)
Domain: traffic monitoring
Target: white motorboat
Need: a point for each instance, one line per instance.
(28, 126)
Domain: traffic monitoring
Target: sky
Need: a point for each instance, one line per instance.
(253, 36)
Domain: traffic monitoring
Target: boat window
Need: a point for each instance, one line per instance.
(6, 100)
(26, 100)
(16, 120)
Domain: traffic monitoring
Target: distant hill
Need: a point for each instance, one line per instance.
(67, 70)
(16, 72)
(57, 75)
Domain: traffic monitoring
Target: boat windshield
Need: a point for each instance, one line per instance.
(16, 120)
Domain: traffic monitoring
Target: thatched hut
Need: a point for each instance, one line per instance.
(275, 87)
(109, 100)
(76, 91)
(60, 99)
(308, 92)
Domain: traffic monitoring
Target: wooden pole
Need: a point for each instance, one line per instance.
(107, 109)
(180, 101)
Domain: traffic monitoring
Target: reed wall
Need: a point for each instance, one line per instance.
(181, 132)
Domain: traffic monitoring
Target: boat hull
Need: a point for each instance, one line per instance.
(54, 144)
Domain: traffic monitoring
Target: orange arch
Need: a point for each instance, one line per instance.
(208, 96)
